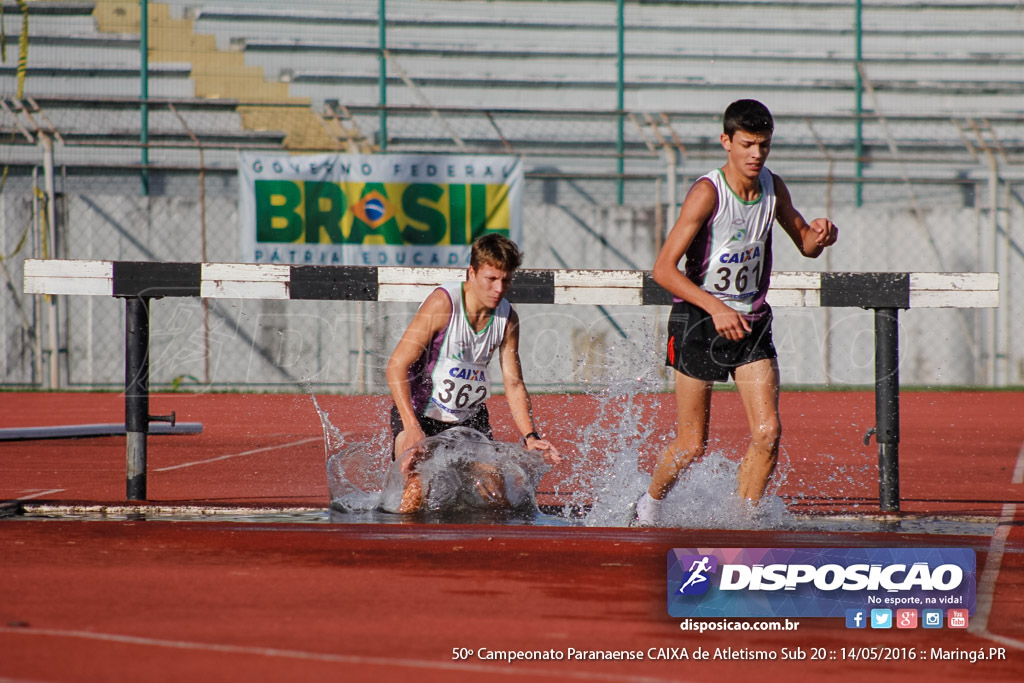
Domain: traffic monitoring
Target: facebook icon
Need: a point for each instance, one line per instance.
(856, 618)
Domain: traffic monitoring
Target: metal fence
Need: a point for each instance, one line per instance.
(570, 221)
(924, 175)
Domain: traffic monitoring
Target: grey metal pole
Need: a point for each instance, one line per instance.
(671, 166)
(620, 101)
(144, 92)
(382, 75)
(858, 105)
(887, 407)
(51, 237)
(136, 393)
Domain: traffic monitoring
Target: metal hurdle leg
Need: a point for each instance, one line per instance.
(885, 294)
(136, 394)
(887, 407)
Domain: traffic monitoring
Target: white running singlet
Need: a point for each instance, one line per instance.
(731, 255)
(457, 366)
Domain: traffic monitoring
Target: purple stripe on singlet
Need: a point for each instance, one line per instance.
(421, 372)
(698, 255)
(760, 305)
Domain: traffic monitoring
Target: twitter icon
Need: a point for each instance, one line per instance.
(881, 618)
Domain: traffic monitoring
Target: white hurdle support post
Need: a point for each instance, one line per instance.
(139, 282)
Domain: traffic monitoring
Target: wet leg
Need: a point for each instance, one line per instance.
(412, 491)
(489, 484)
(758, 385)
(693, 409)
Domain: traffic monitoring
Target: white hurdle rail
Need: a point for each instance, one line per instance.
(139, 281)
(583, 287)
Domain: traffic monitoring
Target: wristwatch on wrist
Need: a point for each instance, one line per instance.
(526, 439)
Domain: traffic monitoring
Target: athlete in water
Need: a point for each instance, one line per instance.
(721, 324)
(438, 372)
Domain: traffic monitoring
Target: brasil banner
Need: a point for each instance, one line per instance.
(374, 210)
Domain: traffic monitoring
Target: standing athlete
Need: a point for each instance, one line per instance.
(438, 372)
(720, 324)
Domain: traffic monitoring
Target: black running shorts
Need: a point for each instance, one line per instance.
(696, 349)
(481, 422)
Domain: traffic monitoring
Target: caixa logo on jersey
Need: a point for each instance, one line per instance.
(816, 582)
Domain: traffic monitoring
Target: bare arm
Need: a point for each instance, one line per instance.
(698, 207)
(810, 238)
(432, 317)
(515, 389)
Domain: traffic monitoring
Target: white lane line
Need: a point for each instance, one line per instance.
(990, 574)
(332, 658)
(38, 493)
(32, 493)
(1018, 471)
(993, 561)
(237, 455)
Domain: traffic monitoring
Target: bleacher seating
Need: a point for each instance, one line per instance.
(936, 59)
(523, 77)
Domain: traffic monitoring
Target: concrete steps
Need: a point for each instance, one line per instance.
(220, 74)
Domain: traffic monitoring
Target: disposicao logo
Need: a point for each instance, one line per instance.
(697, 581)
(817, 582)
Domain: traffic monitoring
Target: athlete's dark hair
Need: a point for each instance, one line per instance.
(495, 250)
(747, 115)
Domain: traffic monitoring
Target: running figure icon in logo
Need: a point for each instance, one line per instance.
(696, 582)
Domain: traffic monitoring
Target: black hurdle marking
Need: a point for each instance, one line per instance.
(532, 287)
(337, 283)
(155, 279)
(654, 294)
(865, 290)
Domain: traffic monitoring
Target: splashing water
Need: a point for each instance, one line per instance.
(604, 474)
(607, 474)
(346, 462)
(705, 498)
(606, 478)
(466, 471)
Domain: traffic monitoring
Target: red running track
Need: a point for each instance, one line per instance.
(166, 601)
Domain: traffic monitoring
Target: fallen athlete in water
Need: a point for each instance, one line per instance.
(463, 469)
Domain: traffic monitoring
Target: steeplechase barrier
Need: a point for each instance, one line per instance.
(137, 282)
